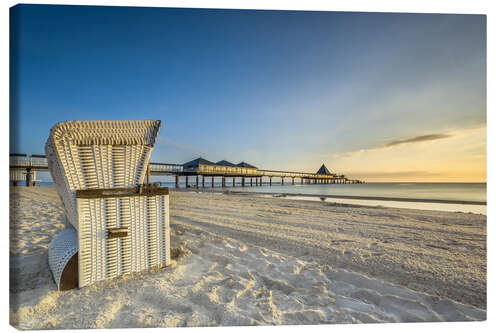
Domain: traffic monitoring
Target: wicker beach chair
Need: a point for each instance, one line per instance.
(116, 224)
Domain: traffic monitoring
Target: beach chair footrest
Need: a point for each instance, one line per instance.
(63, 259)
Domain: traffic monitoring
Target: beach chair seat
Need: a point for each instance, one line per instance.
(121, 225)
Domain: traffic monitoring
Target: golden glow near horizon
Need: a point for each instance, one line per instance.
(458, 156)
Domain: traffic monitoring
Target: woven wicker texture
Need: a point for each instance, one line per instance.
(98, 154)
(62, 247)
(103, 155)
(147, 244)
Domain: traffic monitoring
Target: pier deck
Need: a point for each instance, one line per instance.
(24, 167)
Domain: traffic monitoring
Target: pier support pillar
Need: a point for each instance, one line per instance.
(187, 181)
(301, 181)
(176, 181)
(234, 183)
(270, 181)
(293, 181)
(282, 180)
(197, 181)
(223, 181)
(251, 181)
(28, 178)
(242, 181)
(260, 181)
(203, 181)
(213, 184)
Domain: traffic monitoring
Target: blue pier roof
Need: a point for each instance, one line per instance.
(246, 165)
(225, 163)
(197, 162)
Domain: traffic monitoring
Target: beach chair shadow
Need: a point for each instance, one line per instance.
(116, 224)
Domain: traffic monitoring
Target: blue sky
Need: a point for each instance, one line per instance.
(278, 89)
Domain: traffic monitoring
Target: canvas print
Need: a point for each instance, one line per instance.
(179, 167)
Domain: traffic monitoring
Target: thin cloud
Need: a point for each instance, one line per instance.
(417, 139)
(178, 146)
(195, 152)
(421, 138)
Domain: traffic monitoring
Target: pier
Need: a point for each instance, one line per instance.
(196, 173)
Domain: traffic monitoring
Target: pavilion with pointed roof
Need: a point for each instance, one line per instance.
(225, 163)
(246, 165)
(197, 162)
(323, 170)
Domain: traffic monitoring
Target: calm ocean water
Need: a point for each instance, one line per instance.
(436, 191)
(430, 191)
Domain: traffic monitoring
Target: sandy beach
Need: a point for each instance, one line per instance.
(243, 259)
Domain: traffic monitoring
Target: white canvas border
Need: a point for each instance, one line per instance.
(422, 6)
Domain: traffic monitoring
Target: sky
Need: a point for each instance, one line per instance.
(374, 96)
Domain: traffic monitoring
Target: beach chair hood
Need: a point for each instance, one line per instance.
(98, 154)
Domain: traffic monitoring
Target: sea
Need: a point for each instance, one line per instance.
(454, 197)
(461, 197)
